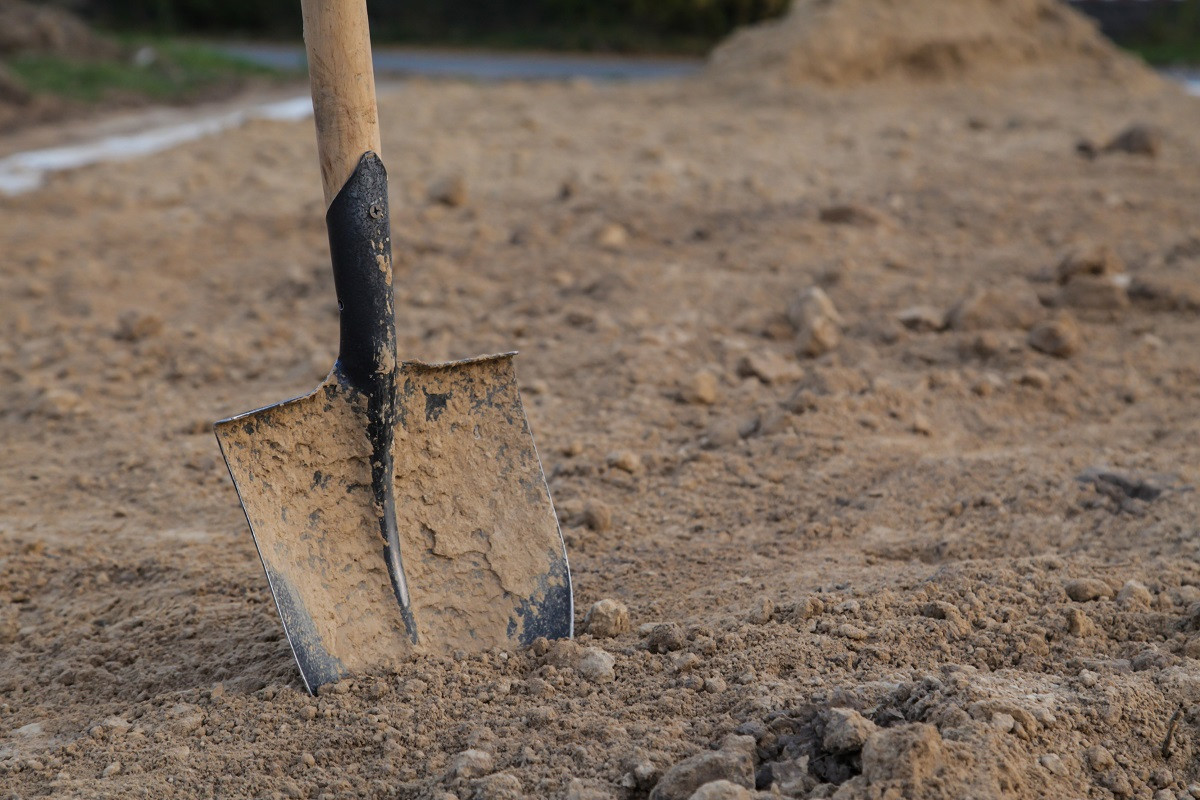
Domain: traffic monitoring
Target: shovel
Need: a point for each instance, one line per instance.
(401, 506)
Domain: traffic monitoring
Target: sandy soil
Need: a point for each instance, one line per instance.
(864, 554)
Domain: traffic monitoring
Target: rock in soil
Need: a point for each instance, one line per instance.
(607, 618)
(681, 780)
(1059, 337)
(816, 322)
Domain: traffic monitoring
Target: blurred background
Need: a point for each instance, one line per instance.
(63, 58)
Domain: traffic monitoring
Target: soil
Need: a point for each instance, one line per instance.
(867, 547)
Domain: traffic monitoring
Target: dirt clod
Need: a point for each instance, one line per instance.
(607, 618)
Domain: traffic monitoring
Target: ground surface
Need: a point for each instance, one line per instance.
(895, 526)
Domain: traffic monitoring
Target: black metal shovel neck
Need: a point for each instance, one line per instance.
(360, 245)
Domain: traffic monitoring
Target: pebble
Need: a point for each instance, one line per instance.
(1096, 293)
(846, 730)
(769, 367)
(665, 637)
(1135, 594)
(1053, 764)
(612, 236)
(450, 190)
(597, 666)
(852, 632)
(922, 319)
(625, 460)
(1059, 337)
(701, 389)
(308, 760)
(607, 618)
(1014, 305)
(1083, 590)
(112, 769)
(854, 214)
(1079, 624)
(1004, 723)
(816, 321)
(134, 326)
(761, 610)
(1088, 259)
(1099, 759)
(683, 779)
(721, 790)
(1138, 139)
(1088, 678)
(470, 764)
(715, 684)
(597, 516)
(1034, 378)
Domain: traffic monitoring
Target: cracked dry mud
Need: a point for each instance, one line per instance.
(893, 569)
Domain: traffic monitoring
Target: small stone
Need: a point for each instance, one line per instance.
(721, 790)
(1004, 723)
(816, 321)
(808, 608)
(1034, 378)
(715, 684)
(578, 790)
(761, 610)
(1166, 293)
(854, 214)
(1088, 259)
(922, 319)
(665, 637)
(597, 516)
(910, 753)
(1191, 648)
(308, 760)
(134, 326)
(1083, 590)
(921, 424)
(1135, 594)
(1138, 139)
(1013, 305)
(701, 388)
(498, 786)
(683, 779)
(1079, 624)
(607, 618)
(769, 367)
(612, 236)
(625, 460)
(597, 666)
(852, 632)
(1099, 759)
(1053, 764)
(1059, 337)
(470, 764)
(449, 191)
(846, 730)
(1095, 293)
(112, 769)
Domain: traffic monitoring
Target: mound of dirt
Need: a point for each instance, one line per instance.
(26, 28)
(842, 42)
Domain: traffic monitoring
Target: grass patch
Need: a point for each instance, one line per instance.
(160, 70)
(1170, 54)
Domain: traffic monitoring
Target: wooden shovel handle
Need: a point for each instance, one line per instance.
(338, 42)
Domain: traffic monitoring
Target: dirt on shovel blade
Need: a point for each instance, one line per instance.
(869, 413)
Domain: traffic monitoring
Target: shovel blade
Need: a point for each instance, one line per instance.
(483, 558)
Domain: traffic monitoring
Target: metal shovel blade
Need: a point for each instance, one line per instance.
(483, 558)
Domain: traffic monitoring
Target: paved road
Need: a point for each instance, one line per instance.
(486, 66)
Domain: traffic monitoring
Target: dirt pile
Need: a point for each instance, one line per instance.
(26, 28)
(841, 42)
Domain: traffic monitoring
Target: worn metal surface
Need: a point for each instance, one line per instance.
(399, 507)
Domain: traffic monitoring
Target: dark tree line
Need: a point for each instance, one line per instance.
(599, 24)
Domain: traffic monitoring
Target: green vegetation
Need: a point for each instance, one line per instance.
(157, 69)
(1172, 38)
